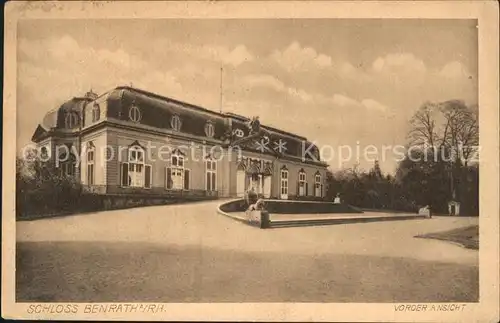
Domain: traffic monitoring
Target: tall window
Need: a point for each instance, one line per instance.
(134, 114)
(302, 186)
(175, 123)
(284, 184)
(177, 176)
(318, 186)
(96, 112)
(211, 175)
(71, 119)
(135, 173)
(90, 164)
(209, 129)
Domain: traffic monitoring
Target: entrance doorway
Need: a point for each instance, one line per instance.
(267, 186)
(240, 183)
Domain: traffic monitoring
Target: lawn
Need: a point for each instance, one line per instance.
(467, 237)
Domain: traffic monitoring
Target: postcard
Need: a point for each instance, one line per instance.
(251, 161)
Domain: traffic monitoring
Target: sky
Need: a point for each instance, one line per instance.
(338, 82)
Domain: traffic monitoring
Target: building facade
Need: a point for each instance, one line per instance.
(132, 142)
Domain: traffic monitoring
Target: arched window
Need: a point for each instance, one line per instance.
(134, 114)
(96, 112)
(302, 183)
(90, 163)
(209, 129)
(175, 123)
(71, 120)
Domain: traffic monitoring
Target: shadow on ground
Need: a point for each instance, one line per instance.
(141, 272)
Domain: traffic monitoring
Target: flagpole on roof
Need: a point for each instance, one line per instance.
(220, 90)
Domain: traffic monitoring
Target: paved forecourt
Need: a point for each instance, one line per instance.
(198, 224)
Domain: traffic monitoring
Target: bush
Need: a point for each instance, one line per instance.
(41, 189)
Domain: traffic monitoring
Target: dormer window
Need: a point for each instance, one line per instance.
(209, 129)
(239, 133)
(96, 112)
(175, 123)
(71, 120)
(134, 114)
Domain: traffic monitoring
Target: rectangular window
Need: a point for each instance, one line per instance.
(284, 184)
(211, 175)
(175, 178)
(134, 175)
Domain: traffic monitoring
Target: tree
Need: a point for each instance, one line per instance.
(446, 136)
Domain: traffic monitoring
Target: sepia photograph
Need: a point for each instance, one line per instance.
(221, 160)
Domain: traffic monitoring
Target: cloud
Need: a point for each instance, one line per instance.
(162, 83)
(314, 100)
(373, 105)
(263, 80)
(301, 94)
(66, 50)
(237, 56)
(399, 63)
(454, 70)
(344, 101)
(53, 70)
(295, 57)
(233, 56)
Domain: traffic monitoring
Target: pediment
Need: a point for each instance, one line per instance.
(39, 132)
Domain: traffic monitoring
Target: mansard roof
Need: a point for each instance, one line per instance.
(157, 111)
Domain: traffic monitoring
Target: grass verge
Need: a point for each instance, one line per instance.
(468, 237)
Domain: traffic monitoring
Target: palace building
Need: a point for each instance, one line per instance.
(129, 141)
